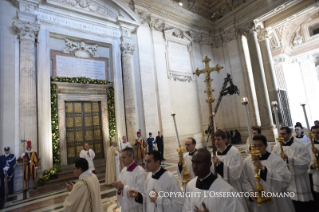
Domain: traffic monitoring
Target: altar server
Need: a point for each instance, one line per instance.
(274, 177)
(205, 186)
(300, 134)
(158, 180)
(89, 155)
(229, 163)
(314, 174)
(190, 146)
(7, 164)
(132, 177)
(255, 131)
(298, 160)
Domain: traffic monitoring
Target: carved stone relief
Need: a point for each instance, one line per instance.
(81, 47)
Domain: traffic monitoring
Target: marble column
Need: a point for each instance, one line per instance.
(44, 99)
(129, 94)
(264, 106)
(27, 82)
(271, 81)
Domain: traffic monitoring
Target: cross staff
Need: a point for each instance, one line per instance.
(207, 70)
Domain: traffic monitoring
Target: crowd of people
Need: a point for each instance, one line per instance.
(288, 174)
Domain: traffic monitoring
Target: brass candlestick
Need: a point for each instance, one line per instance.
(186, 177)
(316, 159)
(260, 199)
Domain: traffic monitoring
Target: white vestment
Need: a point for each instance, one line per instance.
(83, 154)
(165, 183)
(124, 145)
(188, 163)
(209, 197)
(117, 162)
(304, 140)
(298, 161)
(277, 181)
(231, 169)
(79, 198)
(314, 172)
(133, 178)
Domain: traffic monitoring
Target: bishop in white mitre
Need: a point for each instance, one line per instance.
(132, 177)
(274, 177)
(201, 192)
(159, 184)
(298, 160)
(229, 163)
(190, 146)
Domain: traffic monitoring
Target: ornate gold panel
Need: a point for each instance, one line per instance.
(87, 107)
(88, 121)
(69, 122)
(71, 152)
(78, 150)
(78, 121)
(97, 134)
(69, 107)
(88, 135)
(96, 120)
(96, 107)
(79, 136)
(77, 107)
(70, 136)
(98, 148)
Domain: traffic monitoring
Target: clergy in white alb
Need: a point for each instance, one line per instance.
(159, 183)
(190, 146)
(132, 177)
(229, 163)
(202, 191)
(300, 134)
(274, 177)
(85, 195)
(89, 155)
(124, 143)
(313, 172)
(298, 160)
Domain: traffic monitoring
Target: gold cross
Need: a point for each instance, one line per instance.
(207, 70)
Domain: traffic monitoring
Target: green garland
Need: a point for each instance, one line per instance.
(48, 174)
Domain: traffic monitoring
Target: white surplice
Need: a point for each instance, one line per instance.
(209, 197)
(277, 180)
(304, 139)
(79, 198)
(124, 145)
(188, 163)
(232, 166)
(298, 161)
(89, 158)
(314, 172)
(133, 179)
(166, 183)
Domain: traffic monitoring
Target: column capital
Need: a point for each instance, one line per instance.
(127, 48)
(27, 30)
(246, 28)
(263, 33)
(157, 24)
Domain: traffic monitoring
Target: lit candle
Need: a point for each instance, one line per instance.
(303, 104)
(244, 101)
(173, 114)
(274, 106)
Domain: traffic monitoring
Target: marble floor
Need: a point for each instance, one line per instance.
(51, 198)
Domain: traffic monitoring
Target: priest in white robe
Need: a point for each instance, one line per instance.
(204, 188)
(190, 146)
(298, 160)
(124, 143)
(85, 195)
(158, 182)
(274, 177)
(113, 165)
(89, 155)
(132, 177)
(229, 163)
(313, 173)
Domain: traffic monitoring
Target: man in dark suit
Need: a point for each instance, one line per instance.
(160, 144)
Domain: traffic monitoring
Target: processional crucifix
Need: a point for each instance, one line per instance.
(207, 70)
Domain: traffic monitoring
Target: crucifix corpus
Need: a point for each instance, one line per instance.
(207, 70)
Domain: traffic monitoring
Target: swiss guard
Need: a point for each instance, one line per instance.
(7, 165)
(30, 165)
